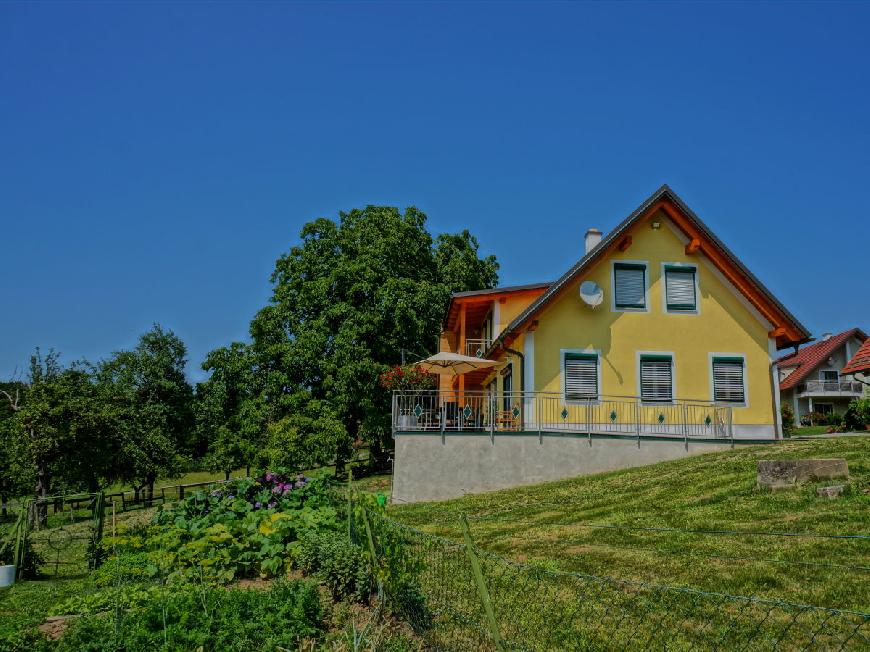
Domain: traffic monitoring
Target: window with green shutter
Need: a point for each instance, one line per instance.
(629, 286)
(728, 380)
(680, 289)
(581, 376)
(656, 378)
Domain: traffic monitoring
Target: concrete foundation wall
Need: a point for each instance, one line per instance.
(429, 468)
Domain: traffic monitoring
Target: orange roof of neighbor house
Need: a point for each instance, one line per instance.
(810, 357)
(787, 330)
(860, 362)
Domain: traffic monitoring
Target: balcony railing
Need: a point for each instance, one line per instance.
(477, 348)
(455, 411)
(831, 387)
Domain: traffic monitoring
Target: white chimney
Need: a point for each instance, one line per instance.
(826, 336)
(593, 237)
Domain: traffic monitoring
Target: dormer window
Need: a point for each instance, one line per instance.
(629, 286)
(680, 288)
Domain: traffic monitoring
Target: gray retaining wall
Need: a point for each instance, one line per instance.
(429, 467)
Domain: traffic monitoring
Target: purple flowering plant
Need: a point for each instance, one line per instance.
(245, 526)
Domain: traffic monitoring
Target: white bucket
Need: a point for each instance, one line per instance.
(7, 575)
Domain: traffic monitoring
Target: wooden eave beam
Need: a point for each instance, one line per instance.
(693, 246)
(625, 243)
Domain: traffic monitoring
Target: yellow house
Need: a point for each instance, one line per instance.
(659, 338)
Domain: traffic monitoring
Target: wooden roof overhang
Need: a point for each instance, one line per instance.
(787, 330)
(478, 303)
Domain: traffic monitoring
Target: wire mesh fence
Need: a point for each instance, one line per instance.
(459, 597)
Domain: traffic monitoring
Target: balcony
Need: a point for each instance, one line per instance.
(548, 412)
(832, 388)
(476, 348)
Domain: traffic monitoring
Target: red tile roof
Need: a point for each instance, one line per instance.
(860, 362)
(811, 356)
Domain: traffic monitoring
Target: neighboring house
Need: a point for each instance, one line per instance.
(859, 365)
(677, 358)
(813, 379)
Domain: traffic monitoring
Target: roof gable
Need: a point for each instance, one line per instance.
(787, 330)
(860, 362)
(810, 357)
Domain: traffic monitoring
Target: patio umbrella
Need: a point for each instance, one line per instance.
(454, 364)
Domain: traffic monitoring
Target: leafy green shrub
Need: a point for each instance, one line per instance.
(787, 415)
(835, 422)
(32, 559)
(191, 617)
(247, 527)
(128, 597)
(339, 564)
(857, 416)
(397, 567)
(814, 419)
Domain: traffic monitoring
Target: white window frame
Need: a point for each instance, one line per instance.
(641, 354)
(646, 283)
(597, 354)
(742, 356)
(664, 278)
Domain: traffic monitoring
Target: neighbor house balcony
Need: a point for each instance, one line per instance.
(831, 388)
(434, 411)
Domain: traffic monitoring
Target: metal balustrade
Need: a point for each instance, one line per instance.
(475, 411)
(476, 348)
(831, 387)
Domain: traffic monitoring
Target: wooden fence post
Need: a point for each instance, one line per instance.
(481, 585)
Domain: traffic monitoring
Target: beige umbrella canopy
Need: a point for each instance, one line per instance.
(454, 364)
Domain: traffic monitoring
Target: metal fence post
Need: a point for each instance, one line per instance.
(373, 552)
(349, 502)
(492, 417)
(731, 426)
(481, 585)
(589, 422)
(99, 518)
(637, 420)
(20, 532)
(686, 425)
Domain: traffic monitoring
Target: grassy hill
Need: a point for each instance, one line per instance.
(550, 524)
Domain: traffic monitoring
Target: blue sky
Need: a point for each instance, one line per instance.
(155, 159)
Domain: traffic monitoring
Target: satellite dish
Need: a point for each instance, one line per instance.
(591, 293)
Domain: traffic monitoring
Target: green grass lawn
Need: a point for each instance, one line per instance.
(803, 431)
(549, 524)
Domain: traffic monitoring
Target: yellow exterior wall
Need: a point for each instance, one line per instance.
(724, 324)
(510, 309)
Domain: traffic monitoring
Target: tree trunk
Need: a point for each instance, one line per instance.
(344, 449)
(150, 495)
(43, 480)
(226, 475)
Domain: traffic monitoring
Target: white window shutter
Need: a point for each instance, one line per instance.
(728, 380)
(656, 376)
(581, 377)
(630, 286)
(680, 288)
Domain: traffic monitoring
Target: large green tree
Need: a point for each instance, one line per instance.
(345, 302)
(60, 431)
(230, 409)
(153, 407)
